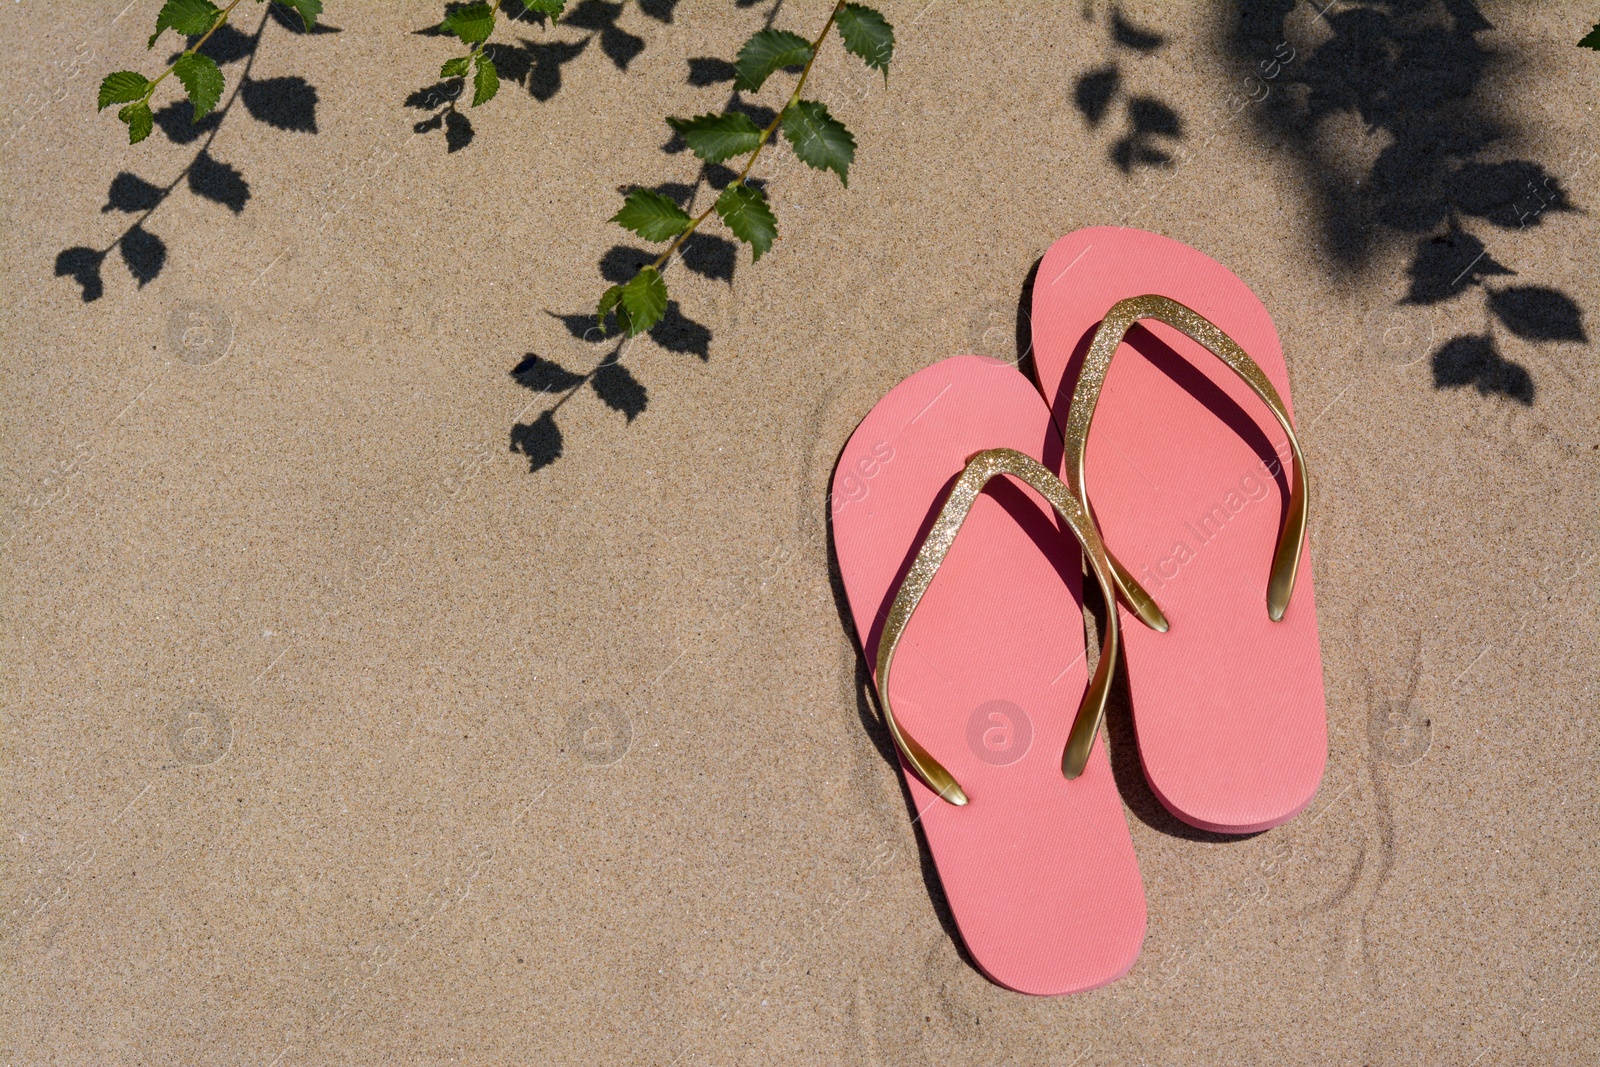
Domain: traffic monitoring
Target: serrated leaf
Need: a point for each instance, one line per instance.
(553, 8)
(472, 23)
(715, 138)
(819, 139)
(202, 80)
(486, 82)
(122, 87)
(139, 120)
(644, 298)
(867, 34)
(1591, 39)
(651, 215)
(765, 52)
(454, 68)
(750, 218)
(308, 10)
(189, 17)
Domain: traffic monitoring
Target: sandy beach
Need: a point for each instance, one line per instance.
(395, 671)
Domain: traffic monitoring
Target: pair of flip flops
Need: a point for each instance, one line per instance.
(964, 508)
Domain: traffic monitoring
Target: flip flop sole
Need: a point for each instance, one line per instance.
(1039, 871)
(1186, 471)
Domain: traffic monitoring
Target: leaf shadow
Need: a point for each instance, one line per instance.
(1128, 35)
(706, 255)
(1151, 126)
(535, 65)
(1473, 359)
(610, 380)
(710, 70)
(600, 18)
(288, 103)
(285, 103)
(1416, 76)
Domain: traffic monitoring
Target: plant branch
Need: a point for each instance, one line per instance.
(221, 112)
(475, 49)
(766, 135)
(223, 17)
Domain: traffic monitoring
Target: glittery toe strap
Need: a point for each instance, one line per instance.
(1091, 710)
(1117, 322)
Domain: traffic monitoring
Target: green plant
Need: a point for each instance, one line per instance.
(474, 24)
(818, 139)
(1591, 39)
(201, 77)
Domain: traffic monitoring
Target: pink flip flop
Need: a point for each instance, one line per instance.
(967, 596)
(1196, 481)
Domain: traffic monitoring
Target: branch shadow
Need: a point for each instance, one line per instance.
(1412, 74)
(612, 383)
(715, 258)
(535, 65)
(284, 103)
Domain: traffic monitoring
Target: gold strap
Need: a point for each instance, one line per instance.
(1121, 317)
(1091, 710)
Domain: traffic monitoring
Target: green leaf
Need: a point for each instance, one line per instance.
(766, 52)
(645, 300)
(639, 304)
(472, 23)
(189, 17)
(746, 212)
(139, 121)
(122, 87)
(1592, 39)
(715, 138)
(867, 34)
(819, 139)
(202, 79)
(486, 82)
(651, 215)
(454, 68)
(308, 10)
(553, 8)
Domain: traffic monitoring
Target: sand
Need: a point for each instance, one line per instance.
(339, 730)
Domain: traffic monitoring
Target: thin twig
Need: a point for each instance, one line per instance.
(762, 143)
(218, 114)
(475, 49)
(193, 49)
